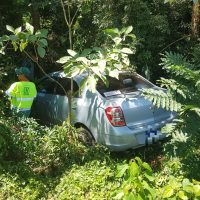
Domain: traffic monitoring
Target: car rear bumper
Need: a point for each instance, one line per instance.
(122, 143)
(123, 138)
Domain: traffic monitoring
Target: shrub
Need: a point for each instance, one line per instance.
(139, 182)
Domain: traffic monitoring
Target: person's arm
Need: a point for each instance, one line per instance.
(11, 91)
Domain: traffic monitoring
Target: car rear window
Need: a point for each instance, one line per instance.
(126, 83)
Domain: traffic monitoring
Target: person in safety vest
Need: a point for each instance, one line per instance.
(22, 93)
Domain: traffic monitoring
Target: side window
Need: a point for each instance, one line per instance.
(47, 86)
(66, 83)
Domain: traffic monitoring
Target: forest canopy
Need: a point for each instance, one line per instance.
(159, 39)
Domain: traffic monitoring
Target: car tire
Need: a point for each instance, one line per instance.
(86, 137)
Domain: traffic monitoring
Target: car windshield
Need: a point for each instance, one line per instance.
(126, 83)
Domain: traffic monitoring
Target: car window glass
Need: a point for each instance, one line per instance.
(47, 86)
(66, 83)
(126, 83)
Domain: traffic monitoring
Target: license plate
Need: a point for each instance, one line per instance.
(152, 136)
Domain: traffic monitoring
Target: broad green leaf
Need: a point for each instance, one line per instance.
(10, 28)
(18, 30)
(29, 28)
(114, 56)
(131, 196)
(121, 169)
(13, 38)
(148, 187)
(134, 169)
(96, 70)
(98, 49)
(169, 1)
(119, 196)
(15, 46)
(102, 65)
(22, 36)
(41, 51)
(126, 61)
(32, 38)
(44, 42)
(71, 52)
(74, 72)
(127, 51)
(149, 177)
(168, 192)
(84, 60)
(23, 46)
(182, 195)
(85, 52)
(42, 33)
(4, 38)
(128, 30)
(175, 184)
(189, 188)
(141, 195)
(112, 32)
(71, 70)
(64, 59)
(196, 190)
(138, 160)
(186, 182)
(67, 68)
(2, 50)
(91, 82)
(197, 83)
(132, 36)
(195, 182)
(83, 82)
(105, 80)
(114, 73)
(196, 110)
(117, 40)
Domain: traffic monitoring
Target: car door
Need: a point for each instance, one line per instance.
(60, 111)
(43, 106)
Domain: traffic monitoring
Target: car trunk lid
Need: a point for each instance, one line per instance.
(137, 111)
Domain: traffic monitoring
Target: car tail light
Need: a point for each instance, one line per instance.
(115, 116)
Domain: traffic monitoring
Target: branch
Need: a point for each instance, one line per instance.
(69, 14)
(47, 75)
(64, 13)
(75, 15)
(185, 36)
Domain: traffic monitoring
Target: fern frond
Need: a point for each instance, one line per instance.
(174, 87)
(170, 58)
(161, 99)
(179, 136)
(193, 108)
(177, 65)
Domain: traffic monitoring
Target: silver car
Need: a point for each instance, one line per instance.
(116, 116)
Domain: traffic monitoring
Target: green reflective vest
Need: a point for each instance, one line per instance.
(22, 95)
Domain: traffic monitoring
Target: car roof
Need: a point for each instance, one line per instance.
(61, 74)
(78, 78)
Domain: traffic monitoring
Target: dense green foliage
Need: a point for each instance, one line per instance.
(157, 26)
(51, 163)
(102, 62)
(38, 162)
(182, 96)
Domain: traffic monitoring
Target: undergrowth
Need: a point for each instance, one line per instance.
(39, 162)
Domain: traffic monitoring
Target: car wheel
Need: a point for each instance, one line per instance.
(86, 137)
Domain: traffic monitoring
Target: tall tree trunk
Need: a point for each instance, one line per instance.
(35, 15)
(195, 19)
